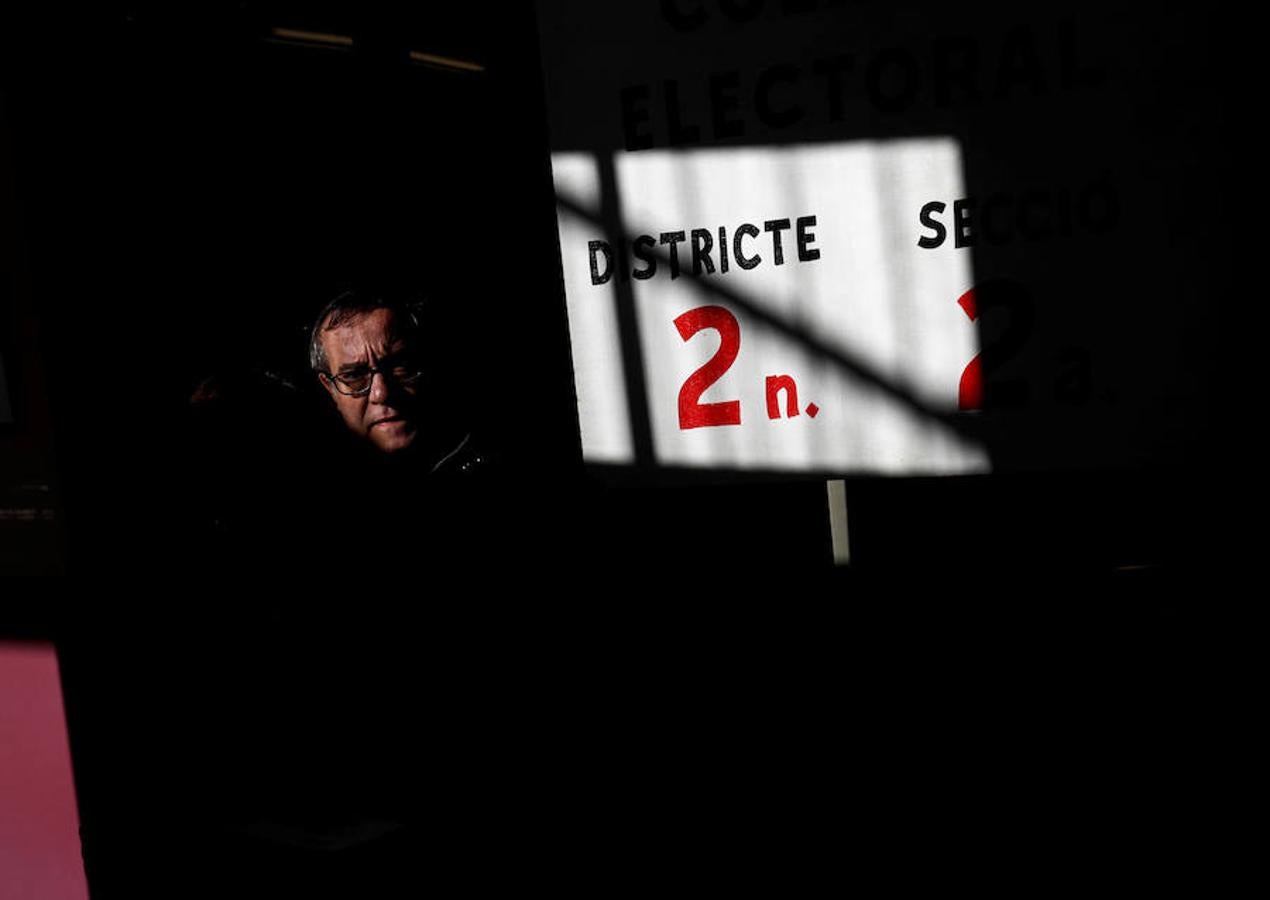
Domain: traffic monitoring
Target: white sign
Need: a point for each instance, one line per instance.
(786, 316)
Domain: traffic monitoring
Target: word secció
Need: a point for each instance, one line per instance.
(1035, 215)
(743, 247)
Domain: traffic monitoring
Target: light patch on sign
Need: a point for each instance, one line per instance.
(847, 334)
(603, 408)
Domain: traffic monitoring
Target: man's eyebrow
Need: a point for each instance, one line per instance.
(397, 349)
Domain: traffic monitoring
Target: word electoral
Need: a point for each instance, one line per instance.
(701, 245)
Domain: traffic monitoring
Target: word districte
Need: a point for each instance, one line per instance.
(705, 258)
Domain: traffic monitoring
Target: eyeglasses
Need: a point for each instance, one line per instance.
(357, 383)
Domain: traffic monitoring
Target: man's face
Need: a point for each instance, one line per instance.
(387, 415)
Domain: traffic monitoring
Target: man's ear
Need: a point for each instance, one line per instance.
(326, 383)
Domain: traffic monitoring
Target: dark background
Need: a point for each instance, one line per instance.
(194, 192)
(185, 192)
(1025, 658)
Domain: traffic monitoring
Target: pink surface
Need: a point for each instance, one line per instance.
(39, 828)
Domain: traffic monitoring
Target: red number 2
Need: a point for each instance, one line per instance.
(693, 413)
(970, 389)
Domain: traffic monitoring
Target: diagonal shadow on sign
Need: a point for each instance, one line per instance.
(609, 217)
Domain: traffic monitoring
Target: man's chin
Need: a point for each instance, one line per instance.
(394, 436)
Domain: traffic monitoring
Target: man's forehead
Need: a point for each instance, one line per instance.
(377, 329)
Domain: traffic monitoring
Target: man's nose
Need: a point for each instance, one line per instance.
(378, 387)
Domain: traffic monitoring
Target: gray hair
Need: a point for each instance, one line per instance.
(344, 308)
